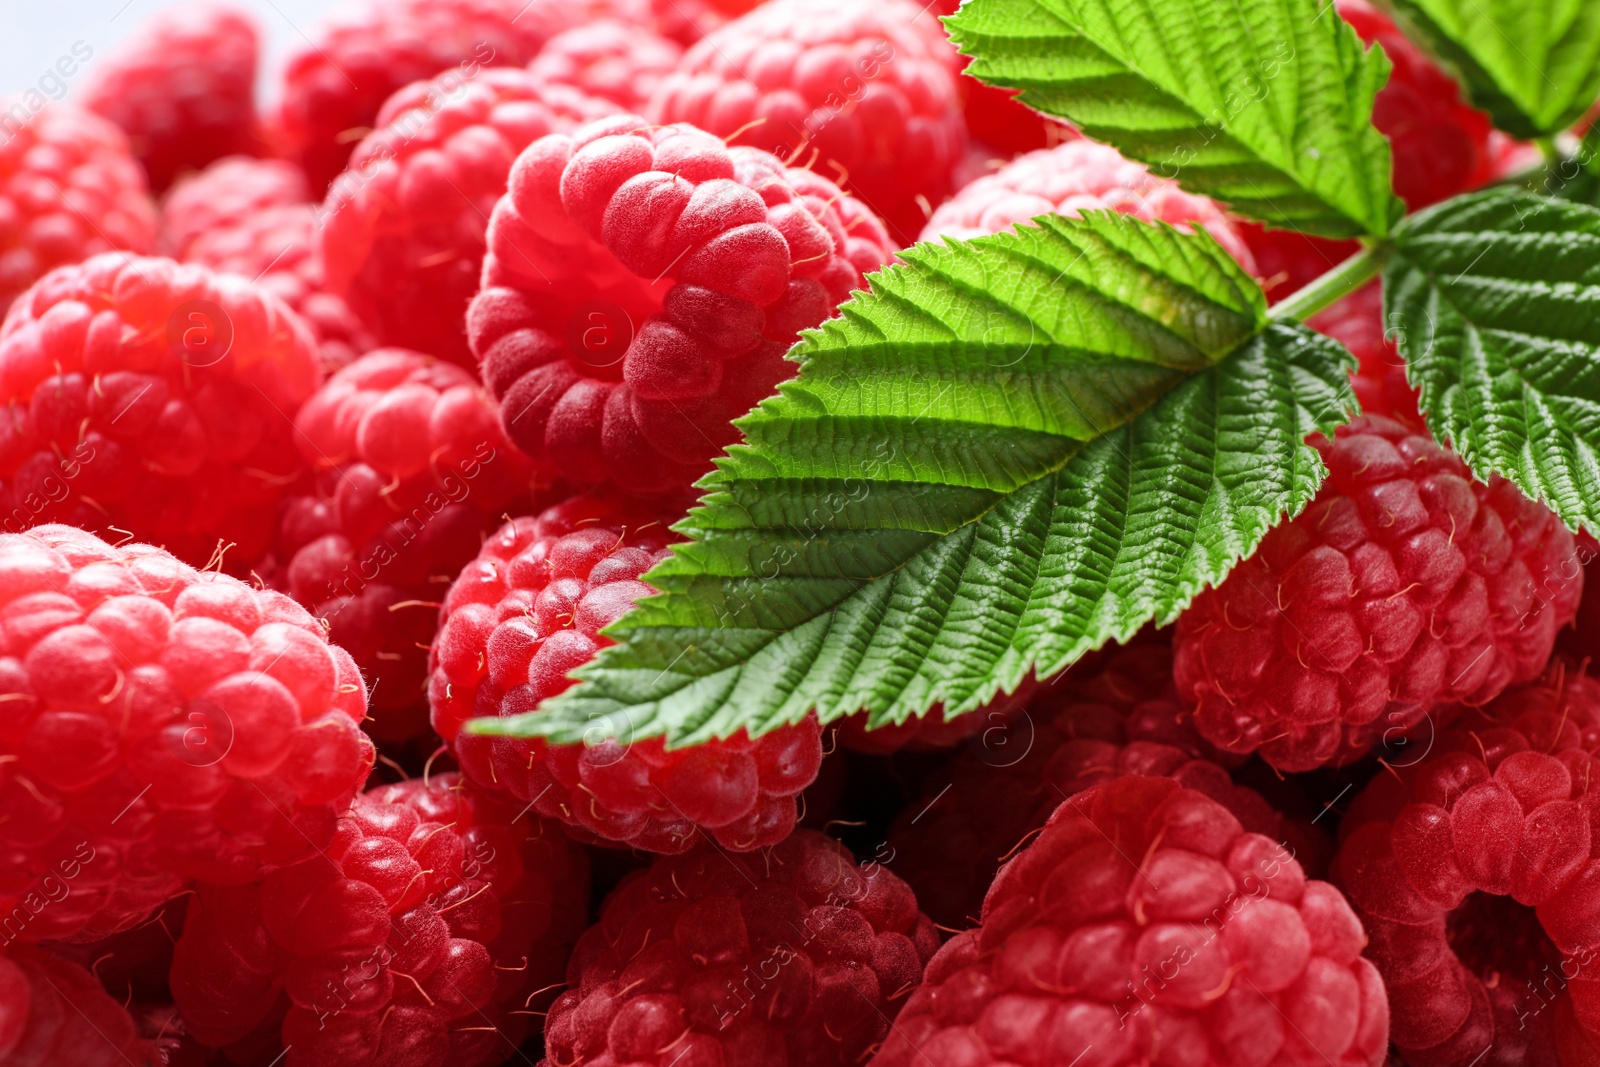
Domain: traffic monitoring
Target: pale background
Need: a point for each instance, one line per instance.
(34, 33)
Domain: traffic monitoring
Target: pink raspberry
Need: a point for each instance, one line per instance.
(413, 473)
(609, 59)
(155, 398)
(336, 86)
(224, 195)
(416, 937)
(1474, 870)
(520, 619)
(1120, 717)
(54, 1013)
(865, 92)
(793, 955)
(68, 190)
(1145, 925)
(402, 232)
(163, 724)
(276, 247)
(1406, 585)
(1440, 144)
(1380, 380)
(1070, 178)
(642, 286)
(183, 88)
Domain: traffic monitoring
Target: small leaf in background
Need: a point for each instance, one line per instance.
(1011, 451)
(1534, 66)
(1266, 107)
(1495, 298)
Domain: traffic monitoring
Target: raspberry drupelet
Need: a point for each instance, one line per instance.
(865, 93)
(225, 194)
(68, 189)
(416, 937)
(641, 288)
(161, 724)
(1144, 925)
(403, 229)
(412, 472)
(520, 619)
(793, 955)
(1405, 586)
(53, 1013)
(183, 89)
(1070, 178)
(154, 398)
(1379, 379)
(1476, 872)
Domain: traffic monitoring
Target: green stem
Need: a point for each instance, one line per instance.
(1335, 285)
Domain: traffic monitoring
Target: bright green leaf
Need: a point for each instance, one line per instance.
(1532, 64)
(1495, 298)
(1266, 106)
(1008, 453)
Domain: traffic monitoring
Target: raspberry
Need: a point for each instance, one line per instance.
(415, 938)
(866, 90)
(54, 1013)
(154, 398)
(1145, 925)
(1287, 262)
(413, 473)
(1073, 177)
(183, 89)
(796, 955)
(610, 59)
(335, 88)
(1405, 585)
(1380, 381)
(224, 195)
(1474, 870)
(641, 288)
(1440, 145)
(403, 229)
(68, 189)
(932, 732)
(994, 117)
(162, 724)
(1123, 718)
(526, 613)
(276, 248)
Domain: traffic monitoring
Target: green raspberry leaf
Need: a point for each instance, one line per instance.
(1266, 106)
(1495, 298)
(1534, 66)
(1011, 451)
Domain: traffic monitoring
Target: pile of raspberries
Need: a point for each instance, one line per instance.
(332, 426)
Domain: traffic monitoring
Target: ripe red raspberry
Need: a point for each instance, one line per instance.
(155, 398)
(864, 92)
(1144, 925)
(183, 88)
(413, 473)
(1070, 178)
(1405, 586)
(415, 938)
(162, 724)
(402, 230)
(68, 189)
(1380, 380)
(796, 955)
(54, 1013)
(1122, 718)
(526, 613)
(932, 732)
(1474, 870)
(994, 117)
(642, 285)
(610, 59)
(224, 195)
(1440, 144)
